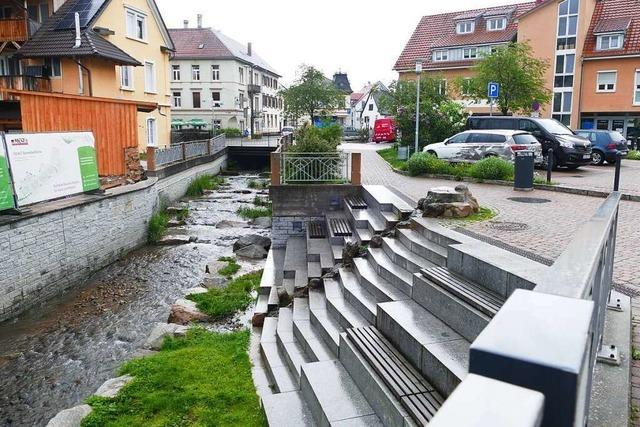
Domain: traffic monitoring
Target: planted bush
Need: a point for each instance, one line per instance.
(232, 133)
(633, 155)
(422, 163)
(492, 168)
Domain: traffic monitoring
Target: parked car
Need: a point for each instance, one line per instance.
(472, 146)
(384, 130)
(286, 130)
(605, 145)
(569, 149)
(350, 133)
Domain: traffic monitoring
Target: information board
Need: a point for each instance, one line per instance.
(6, 192)
(48, 166)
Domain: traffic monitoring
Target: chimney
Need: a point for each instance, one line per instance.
(249, 48)
(199, 20)
(186, 23)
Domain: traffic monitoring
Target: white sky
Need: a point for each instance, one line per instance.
(363, 38)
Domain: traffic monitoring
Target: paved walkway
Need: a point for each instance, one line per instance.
(601, 177)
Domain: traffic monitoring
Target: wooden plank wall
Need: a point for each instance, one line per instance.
(114, 124)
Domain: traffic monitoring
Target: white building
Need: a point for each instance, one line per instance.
(365, 106)
(222, 82)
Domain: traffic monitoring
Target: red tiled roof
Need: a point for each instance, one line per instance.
(611, 15)
(189, 40)
(440, 31)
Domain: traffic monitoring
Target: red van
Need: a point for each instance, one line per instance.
(384, 130)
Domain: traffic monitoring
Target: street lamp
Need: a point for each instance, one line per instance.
(418, 72)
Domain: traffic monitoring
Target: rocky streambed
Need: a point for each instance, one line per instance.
(55, 356)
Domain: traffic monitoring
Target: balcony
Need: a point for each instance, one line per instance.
(13, 30)
(18, 82)
(253, 89)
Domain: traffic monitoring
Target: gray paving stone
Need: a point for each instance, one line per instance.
(331, 394)
(287, 410)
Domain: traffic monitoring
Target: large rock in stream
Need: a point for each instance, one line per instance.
(112, 387)
(71, 417)
(185, 312)
(252, 239)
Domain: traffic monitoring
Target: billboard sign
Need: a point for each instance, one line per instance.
(6, 192)
(48, 166)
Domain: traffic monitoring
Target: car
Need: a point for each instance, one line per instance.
(350, 133)
(286, 130)
(475, 145)
(384, 130)
(605, 145)
(569, 149)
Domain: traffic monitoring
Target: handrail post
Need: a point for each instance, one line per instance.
(356, 168)
(151, 158)
(275, 169)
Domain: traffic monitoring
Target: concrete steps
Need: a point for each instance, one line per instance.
(275, 363)
(381, 289)
(403, 256)
(346, 314)
(357, 296)
(423, 247)
(287, 410)
(295, 263)
(325, 325)
(305, 334)
(293, 353)
(385, 200)
(334, 398)
(388, 270)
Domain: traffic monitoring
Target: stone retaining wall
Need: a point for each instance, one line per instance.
(57, 245)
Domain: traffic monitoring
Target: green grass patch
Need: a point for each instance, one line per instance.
(635, 353)
(203, 379)
(484, 214)
(390, 155)
(157, 226)
(223, 302)
(257, 184)
(182, 214)
(253, 213)
(202, 183)
(261, 202)
(633, 155)
(230, 269)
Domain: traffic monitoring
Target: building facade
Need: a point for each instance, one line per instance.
(365, 106)
(592, 47)
(223, 83)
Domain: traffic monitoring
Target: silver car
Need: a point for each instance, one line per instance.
(474, 145)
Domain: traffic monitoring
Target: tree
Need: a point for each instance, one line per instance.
(521, 76)
(312, 94)
(440, 117)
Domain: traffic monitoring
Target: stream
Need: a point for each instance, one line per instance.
(54, 356)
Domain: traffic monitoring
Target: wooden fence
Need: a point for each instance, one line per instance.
(113, 122)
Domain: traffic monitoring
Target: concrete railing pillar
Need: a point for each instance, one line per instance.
(356, 168)
(151, 158)
(275, 169)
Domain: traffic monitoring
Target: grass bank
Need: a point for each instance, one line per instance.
(202, 183)
(203, 379)
(223, 302)
(157, 226)
(253, 213)
(390, 155)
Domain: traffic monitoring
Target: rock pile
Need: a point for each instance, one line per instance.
(252, 246)
(446, 202)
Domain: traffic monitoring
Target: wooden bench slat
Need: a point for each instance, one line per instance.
(316, 230)
(340, 227)
(356, 202)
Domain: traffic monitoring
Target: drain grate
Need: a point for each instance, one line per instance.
(528, 200)
(508, 226)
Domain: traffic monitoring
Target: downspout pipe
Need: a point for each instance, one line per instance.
(88, 75)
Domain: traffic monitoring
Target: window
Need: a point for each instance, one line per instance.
(149, 77)
(215, 72)
(175, 69)
(442, 87)
(610, 42)
(465, 27)
(6, 12)
(370, 107)
(496, 24)
(136, 25)
(636, 97)
(152, 132)
(43, 10)
(196, 99)
(215, 98)
(440, 55)
(195, 72)
(54, 67)
(607, 81)
(470, 53)
(486, 138)
(177, 99)
(126, 77)
(241, 74)
(458, 139)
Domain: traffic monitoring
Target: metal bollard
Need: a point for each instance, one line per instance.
(549, 164)
(616, 181)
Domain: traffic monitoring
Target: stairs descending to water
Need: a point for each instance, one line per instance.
(386, 340)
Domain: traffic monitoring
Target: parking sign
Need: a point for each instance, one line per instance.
(493, 90)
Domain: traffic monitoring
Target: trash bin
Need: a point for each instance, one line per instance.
(524, 163)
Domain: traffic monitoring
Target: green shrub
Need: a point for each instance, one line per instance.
(422, 163)
(262, 202)
(492, 168)
(157, 226)
(633, 155)
(310, 139)
(232, 132)
(257, 184)
(203, 182)
(253, 213)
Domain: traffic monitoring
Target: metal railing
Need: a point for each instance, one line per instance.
(165, 156)
(196, 149)
(178, 153)
(314, 168)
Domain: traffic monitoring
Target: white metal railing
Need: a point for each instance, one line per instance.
(307, 168)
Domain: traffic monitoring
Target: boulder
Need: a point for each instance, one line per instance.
(252, 252)
(214, 281)
(174, 240)
(262, 222)
(71, 417)
(258, 319)
(446, 202)
(185, 312)
(252, 239)
(284, 299)
(376, 241)
(231, 224)
(160, 332)
(444, 195)
(112, 387)
(214, 265)
(316, 283)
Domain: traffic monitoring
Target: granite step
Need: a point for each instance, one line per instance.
(295, 262)
(402, 256)
(272, 264)
(336, 253)
(366, 218)
(273, 301)
(388, 270)
(380, 288)
(386, 200)
(346, 314)
(436, 233)
(293, 353)
(437, 351)
(326, 326)
(314, 270)
(262, 305)
(287, 410)
(423, 247)
(333, 397)
(281, 377)
(357, 296)
(305, 334)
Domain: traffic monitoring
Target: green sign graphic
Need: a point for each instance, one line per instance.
(88, 168)
(6, 192)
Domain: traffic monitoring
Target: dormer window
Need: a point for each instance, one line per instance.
(465, 27)
(496, 24)
(610, 41)
(440, 55)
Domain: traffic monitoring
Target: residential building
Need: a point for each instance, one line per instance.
(592, 46)
(342, 115)
(365, 106)
(222, 82)
(122, 53)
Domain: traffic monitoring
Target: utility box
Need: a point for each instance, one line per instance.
(404, 153)
(524, 166)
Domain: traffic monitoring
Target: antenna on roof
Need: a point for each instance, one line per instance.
(78, 39)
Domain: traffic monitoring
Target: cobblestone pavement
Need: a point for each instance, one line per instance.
(543, 228)
(601, 177)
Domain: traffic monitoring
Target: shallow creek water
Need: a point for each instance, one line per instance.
(54, 356)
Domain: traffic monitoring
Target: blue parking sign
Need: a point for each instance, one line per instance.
(493, 90)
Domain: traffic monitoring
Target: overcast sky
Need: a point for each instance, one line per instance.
(362, 38)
